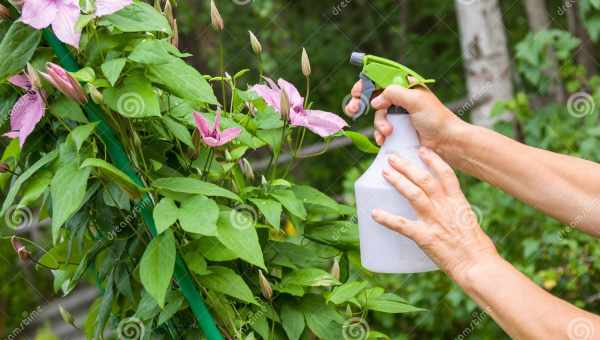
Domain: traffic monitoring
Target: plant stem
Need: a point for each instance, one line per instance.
(222, 69)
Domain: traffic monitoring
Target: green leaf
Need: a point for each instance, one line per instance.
(171, 309)
(290, 202)
(137, 17)
(362, 142)
(341, 234)
(270, 209)
(35, 187)
(67, 190)
(195, 261)
(81, 133)
(165, 214)
(311, 196)
(112, 69)
(157, 266)
(375, 299)
(135, 98)
(188, 185)
(292, 321)
(346, 291)
(66, 108)
(312, 277)
(226, 281)
(183, 80)
(86, 74)
(241, 241)
(199, 215)
(179, 131)
(117, 176)
(322, 319)
(213, 250)
(17, 48)
(150, 51)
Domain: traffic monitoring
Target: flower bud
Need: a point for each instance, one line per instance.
(263, 180)
(4, 168)
(64, 82)
(265, 286)
(305, 62)
(246, 169)
(284, 104)
(95, 94)
(335, 269)
(66, 316)
(175, 38)
(215, 17)
(4, 13)
(20, 249)
(168, 11)
(34, 77)
(256, 46)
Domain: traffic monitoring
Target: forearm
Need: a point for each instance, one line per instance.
(566, 188)
(521, 308)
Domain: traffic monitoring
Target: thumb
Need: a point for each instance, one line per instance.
(398, 96)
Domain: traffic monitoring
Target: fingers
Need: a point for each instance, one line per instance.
(353, 105)
(398, 96)
(415, 195)
(399, 224)
(382, 124)
(421, 177)
(379, 138)
(442, 170)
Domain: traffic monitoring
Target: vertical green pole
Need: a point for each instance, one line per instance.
(121, 161)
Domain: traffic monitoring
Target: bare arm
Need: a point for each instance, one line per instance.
(447, 230)
(566, 188)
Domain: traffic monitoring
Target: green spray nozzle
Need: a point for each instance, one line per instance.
(379, 73)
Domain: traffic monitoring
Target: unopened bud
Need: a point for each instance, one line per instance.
(157, 5)
(246, 169)
(335, 269)
(64, 82)
(263, 180)
(256, 46)
(305, 62)
(4, 168)
(20, 249)
(33, 76)
(215, 17)
(284, 104)
(95, 94)
(168, 11)
(4, 13)
(265, 286)
(67, 317)
(175, 38)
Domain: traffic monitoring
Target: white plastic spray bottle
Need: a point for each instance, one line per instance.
(381, 249)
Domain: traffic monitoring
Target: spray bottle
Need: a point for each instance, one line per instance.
(383, 250)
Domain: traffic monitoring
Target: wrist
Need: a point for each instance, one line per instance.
(454, 139)
(470, 273)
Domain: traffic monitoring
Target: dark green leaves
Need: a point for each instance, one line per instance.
(157, 265)
(17, 48)
(290, 202)
(192, 186)
(183, 80)
(112, 69)
(67, 189)
(226, 281)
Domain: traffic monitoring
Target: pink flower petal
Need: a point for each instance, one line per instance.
(295, 97)
(324, 123)
(39, 13)
(202, 124)
(210, 141)
(228, 135)
(217, 124)
(21, 81)
(107, 7)
(25, 115)
(64, 25)
(270, 95)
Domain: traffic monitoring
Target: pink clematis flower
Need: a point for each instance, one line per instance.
(63, 16)
(322, 123)
(214, 137)
(29, 109)
(64, 82)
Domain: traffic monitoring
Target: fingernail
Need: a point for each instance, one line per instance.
(375, 213)
(394, 159)
(386, 172)
(376, 101)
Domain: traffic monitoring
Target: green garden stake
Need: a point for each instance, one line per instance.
(119, 157)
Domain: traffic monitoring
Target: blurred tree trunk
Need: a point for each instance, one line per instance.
(537, 13)
(485, 55)
(585, 53)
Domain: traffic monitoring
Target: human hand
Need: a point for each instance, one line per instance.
(432, 119)
(447, 228)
